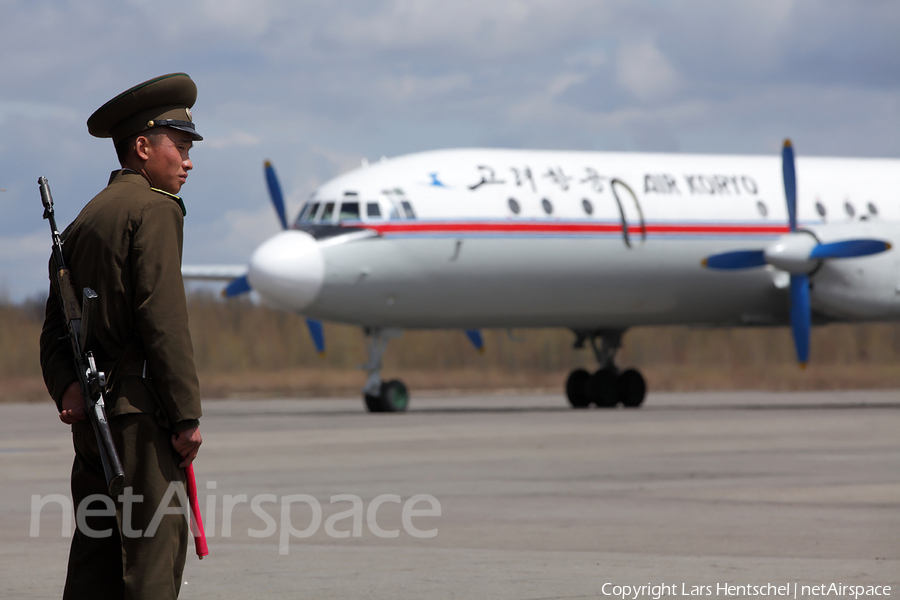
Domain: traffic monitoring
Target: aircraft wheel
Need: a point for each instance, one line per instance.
(576, 388)
(394, 396)
(603, 389)
(632, 388)
(373, 403)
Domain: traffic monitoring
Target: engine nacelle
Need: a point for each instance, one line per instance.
(858, 289)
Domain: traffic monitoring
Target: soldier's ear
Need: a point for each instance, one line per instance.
(141, 146)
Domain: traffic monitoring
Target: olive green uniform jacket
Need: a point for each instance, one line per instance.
(126, 245)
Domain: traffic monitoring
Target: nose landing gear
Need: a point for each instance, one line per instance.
(382, 396)
(606, 387)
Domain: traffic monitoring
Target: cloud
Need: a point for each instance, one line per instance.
(645, 71)
(563, 82)
(248, 20)
(316, 86)
(244, 230)
(35, 111)
(407, 88)
(234, 139)
(498, 29)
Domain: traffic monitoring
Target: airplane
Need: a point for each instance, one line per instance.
(594, 242)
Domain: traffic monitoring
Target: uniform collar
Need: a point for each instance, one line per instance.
(130, 176)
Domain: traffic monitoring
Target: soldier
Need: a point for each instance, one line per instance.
(126, 244)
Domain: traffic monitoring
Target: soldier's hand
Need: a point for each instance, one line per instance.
(187, 444)
(72, 405)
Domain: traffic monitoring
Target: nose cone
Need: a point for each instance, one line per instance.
(288, 270)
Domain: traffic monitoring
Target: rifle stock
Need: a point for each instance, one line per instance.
(78, 321)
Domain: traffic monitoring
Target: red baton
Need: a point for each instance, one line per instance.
(196, 521)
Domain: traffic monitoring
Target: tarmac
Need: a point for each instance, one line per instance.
(507, 496)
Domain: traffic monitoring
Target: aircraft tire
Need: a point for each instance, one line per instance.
(373, 403)
(394, 396)
(603, 389)
(576, 388)
(632, 388)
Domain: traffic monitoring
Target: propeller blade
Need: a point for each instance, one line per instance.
(317, 335)
(475, 337)
(740, 259)
(849, 249)
(790, 182)
(275, 194)
(801, 317)
(237, 286)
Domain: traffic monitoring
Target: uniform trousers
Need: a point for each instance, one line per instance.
(114, 557)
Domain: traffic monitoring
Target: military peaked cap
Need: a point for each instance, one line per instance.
(164, 101)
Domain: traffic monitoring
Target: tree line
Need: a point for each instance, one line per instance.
(242, 348)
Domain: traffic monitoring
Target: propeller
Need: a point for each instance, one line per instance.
(240, 285)
(798, 253)
(275, 193)
(236, 287)
(475, 337)
(740, 259)
(801, 309)
(848, 248)
(318, 336)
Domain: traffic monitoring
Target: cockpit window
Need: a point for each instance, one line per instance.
(309, 212)
(373, 210)
(408, 209)
(327, 212)
(303, 211)
(349, 211)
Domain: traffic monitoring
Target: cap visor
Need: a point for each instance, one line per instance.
(194, 135)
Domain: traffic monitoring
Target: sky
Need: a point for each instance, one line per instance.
(318, 86)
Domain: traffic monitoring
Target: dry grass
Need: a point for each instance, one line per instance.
(249, 351)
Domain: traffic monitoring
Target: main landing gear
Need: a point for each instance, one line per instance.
(382, 396)
(607, 387)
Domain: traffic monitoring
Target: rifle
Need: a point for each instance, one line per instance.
(78, 325)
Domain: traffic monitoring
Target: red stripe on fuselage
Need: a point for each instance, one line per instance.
(543, 227)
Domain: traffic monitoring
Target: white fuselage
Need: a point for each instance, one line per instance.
(584, 240)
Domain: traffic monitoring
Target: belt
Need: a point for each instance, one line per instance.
(135, 369)
(130, 363)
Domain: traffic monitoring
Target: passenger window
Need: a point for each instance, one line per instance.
(587, 206)
(514, 206)
(327, 212)
(373, 210)
(548, 207)
(349, 211)
(310, 214)
(408, 209)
